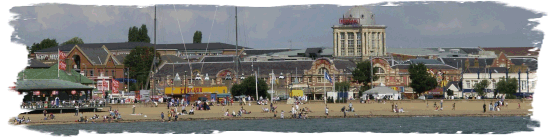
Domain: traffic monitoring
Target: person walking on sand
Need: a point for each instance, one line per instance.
(453, 106)
(441, 103)
(282, 114)
(162, 117)
(327, 111)
(77, 110)
(169, 115)
(519, 105)
(484, 108)
(133, 108)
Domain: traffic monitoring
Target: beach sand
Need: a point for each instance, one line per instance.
(411, 108)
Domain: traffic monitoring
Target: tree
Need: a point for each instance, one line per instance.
(342, 86)
(481, 86)
(197, 38)
(247, 87)
(507, 86)
(362, 74)
(45, 43)
(421, 80)
(74, 40)
(136, 34)
(139, 62)
(449, 92)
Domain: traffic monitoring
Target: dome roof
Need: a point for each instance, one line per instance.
(366, 17)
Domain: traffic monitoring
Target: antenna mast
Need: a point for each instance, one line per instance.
(236, 52)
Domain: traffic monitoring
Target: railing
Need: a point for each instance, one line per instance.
(49, 105)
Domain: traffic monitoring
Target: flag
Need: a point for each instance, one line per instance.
(115, 86)
(327, 77)
(61, 63)
(273, 77)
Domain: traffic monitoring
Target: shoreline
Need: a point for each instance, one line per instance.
(276, 118)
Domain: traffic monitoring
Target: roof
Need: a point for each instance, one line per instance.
(51, 73)
(34, 63)
(199, 46)
(529, 62)
(48, 84)
(110, 46)
(313, 50)
(366, 16)
(217, 59)
(172, 58)
(424, 61)
(429, 66)
(460, 62)
(251, 52)
(264, 67)
(514, 51)
(412, 51)
(132, 45)
(490, 69)
(120, 58)
(96, 55)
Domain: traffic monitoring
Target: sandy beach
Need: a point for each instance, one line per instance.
(411, 108)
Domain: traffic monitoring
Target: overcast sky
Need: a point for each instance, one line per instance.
(436, 24)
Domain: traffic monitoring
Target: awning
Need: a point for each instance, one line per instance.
(126, 80)
(381, 90)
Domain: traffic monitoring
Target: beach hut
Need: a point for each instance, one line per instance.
(383, 91)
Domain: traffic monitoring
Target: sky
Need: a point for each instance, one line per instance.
(409, 25)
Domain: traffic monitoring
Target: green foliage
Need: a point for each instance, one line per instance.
(247, 87)
(45, 43)
(421, 80)
(139, 62)
(74, 40)
(507, 86)
(197, 38)
(481, 86)
(342, 86)
(136, 34)
(362, 73)
(363, 89)
(449, 92)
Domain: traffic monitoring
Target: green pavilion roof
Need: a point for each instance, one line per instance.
(49, 84)
(52, 73)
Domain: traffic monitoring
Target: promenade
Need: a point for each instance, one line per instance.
(411, 108)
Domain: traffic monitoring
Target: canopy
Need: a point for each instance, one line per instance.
(381, 90)
(126, 80)
(223, 95)
(202, 98)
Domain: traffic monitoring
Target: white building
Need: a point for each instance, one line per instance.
(358, 36)
(527, 81)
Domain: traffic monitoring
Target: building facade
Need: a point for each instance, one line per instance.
(358, 36)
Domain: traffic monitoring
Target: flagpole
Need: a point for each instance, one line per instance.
(325, 88)
(58, 68)
(273, 79)
(257, 76)
(256, 85)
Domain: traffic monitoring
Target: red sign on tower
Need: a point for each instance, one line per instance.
(349, 21)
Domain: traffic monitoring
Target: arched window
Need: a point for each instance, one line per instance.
(379, 70)
(322, 70)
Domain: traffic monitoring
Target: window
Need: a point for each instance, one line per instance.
(523, 85)
(91, 72)
(106, 73)
(468, 84)
(322, 71)
(502, 65)
(99, 72)
(113, 73)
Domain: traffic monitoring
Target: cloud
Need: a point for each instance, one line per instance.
(46, 14)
